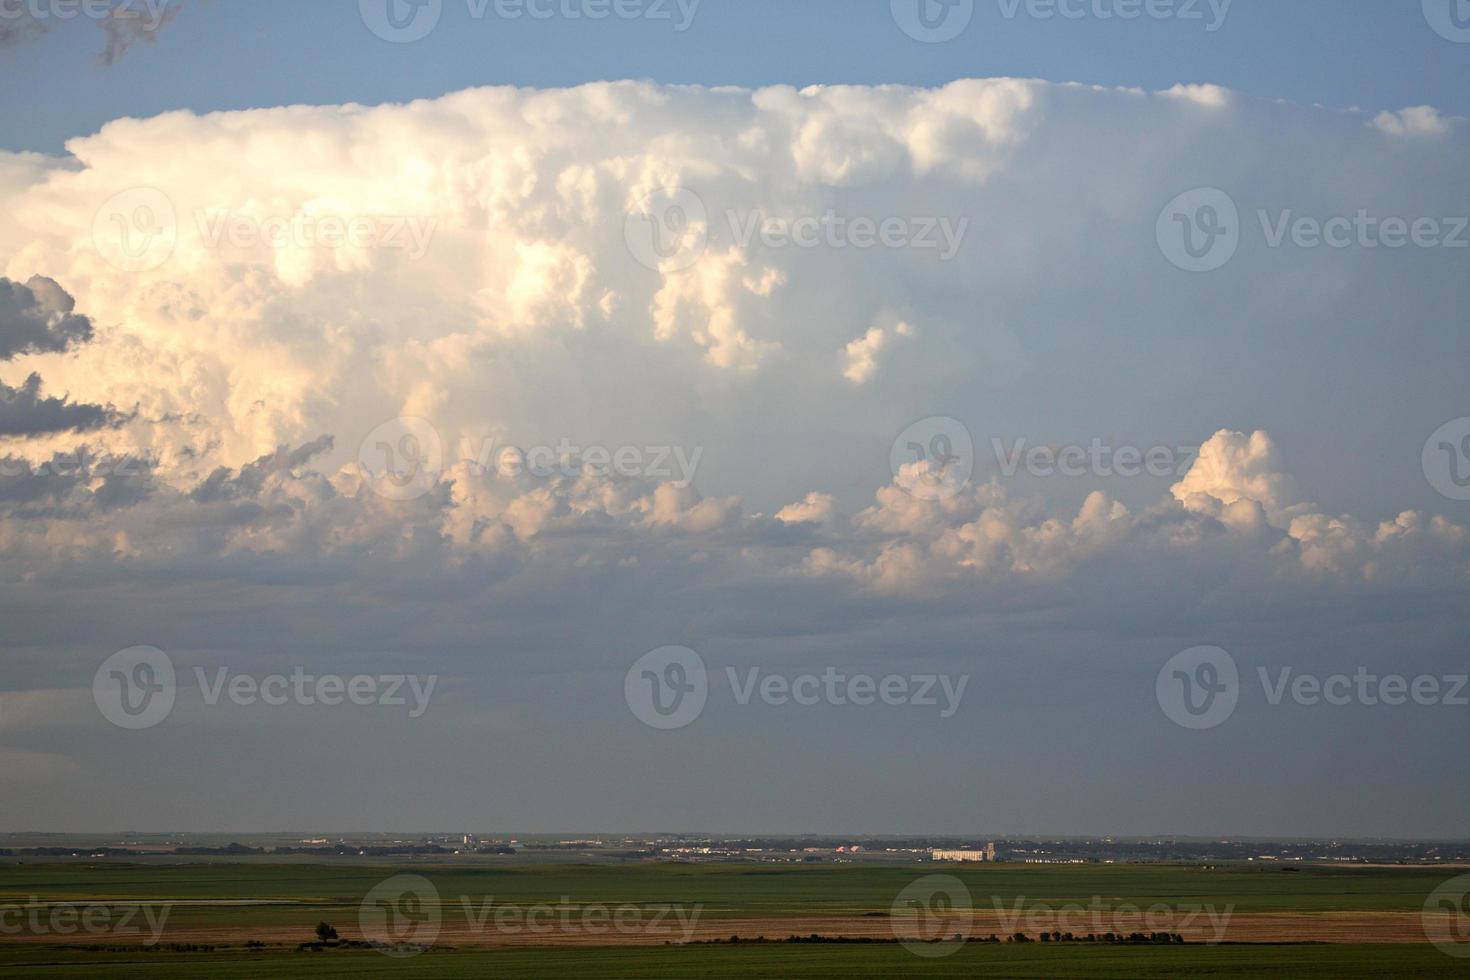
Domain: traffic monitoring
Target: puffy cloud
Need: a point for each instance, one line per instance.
(1236, 503)
(489, 285)
(814, 508)
(485, 252)
(1420, 120)
(1210, 96)
(38, 317)
(1234, 468)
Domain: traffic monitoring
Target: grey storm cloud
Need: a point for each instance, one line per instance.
(126, 23)
(24, 411)
(129, 23)
(37, 318)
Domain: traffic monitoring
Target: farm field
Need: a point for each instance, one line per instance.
(717, 962)
(738, 889)
(676, 919)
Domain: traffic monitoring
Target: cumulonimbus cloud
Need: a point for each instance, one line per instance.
(467, 260)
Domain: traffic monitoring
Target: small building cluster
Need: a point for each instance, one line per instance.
(987, 854)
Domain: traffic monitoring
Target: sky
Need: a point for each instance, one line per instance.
(738, 417)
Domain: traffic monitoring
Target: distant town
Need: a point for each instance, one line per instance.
(697, 848)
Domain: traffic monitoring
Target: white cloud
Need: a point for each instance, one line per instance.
(527, 319)
(1420, 120)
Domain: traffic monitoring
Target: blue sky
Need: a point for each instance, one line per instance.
(221, 54)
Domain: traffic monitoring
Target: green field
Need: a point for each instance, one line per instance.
(739, 888)
(305, 894)
(783, 961)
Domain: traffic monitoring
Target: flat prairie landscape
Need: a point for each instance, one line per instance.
(717, 920)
